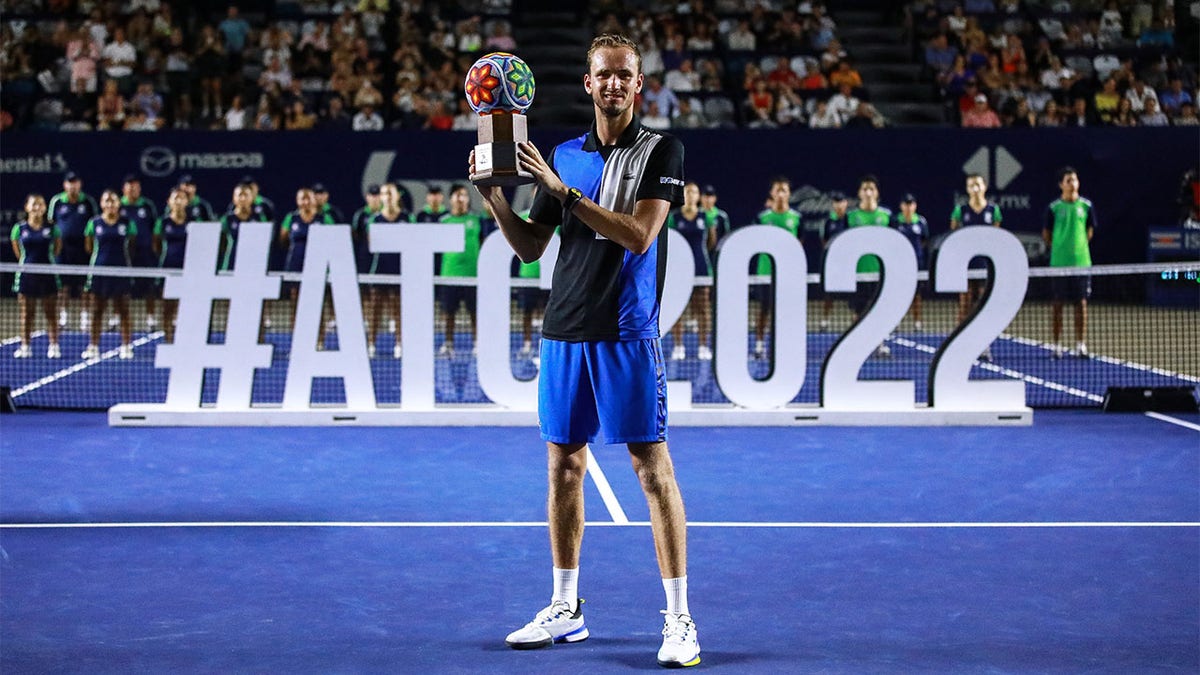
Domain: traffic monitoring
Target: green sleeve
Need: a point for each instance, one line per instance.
(956, 214)
(996, 215)
(132, 229)
(89, 230)
(158, 227)
(16, 233)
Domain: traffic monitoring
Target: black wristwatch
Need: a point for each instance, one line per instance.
(573, 197)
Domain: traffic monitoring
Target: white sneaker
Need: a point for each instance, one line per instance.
(1081, 350)
(556, 623)
(760, 349)
(92, 352)
(331, 325)
(370, 351)
(62, 317)
(704, 353)
(824, 324)
(678, 354)
(883, 350)
(114, 321)
(1057, 351)
(986, 355)
(526, 350)
(391, 325)
(397, 351)
(266, 322)
(85, 320)
(151, 322)
(681, 646)
(125, 351)
(917, 326)
(53, 352)
(23, 352)
(446, 350)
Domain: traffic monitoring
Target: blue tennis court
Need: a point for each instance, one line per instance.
(1069, 546)
(1056, 382)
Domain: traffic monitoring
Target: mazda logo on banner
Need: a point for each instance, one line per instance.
(158, 161)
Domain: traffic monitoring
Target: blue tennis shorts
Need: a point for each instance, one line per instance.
(610, 390)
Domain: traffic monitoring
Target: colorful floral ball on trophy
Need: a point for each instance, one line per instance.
(499, 82)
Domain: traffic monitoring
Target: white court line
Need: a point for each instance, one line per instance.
(606, 491)
(699, 524)
(70, 370)
(1173, 420)
(1008, 372)
(17, 338)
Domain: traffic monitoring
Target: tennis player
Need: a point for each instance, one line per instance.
(603, 375)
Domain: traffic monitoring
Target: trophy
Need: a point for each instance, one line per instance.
(499, 89)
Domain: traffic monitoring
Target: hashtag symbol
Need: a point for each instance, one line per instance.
(196, 288)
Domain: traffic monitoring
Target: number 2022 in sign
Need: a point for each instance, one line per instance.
(330, 259)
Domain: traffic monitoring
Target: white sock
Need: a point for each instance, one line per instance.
(566, 587)
(676, 595)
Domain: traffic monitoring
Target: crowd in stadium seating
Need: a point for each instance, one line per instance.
(1056, 63)
(145, 65)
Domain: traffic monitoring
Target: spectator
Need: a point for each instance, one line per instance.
(268, 118)
(1050, 116)
(823, 117)
(759, 105)
(139, 121)
(1151, 116)
(741, 38)
(1138, 93)
(845, 75)
(110, 107)
(83, 53)
(1079, 115)
(298, 118)
(691, 115)
(277, 74)
(1157, 35)
(652, 62)
(367, 120)
(1023, 117)
(210, 68)
(1105, 101)
(844, 103)
(470, 36)
(684, 79)
(1174, 97)
(79, 108)
(119, 59)
(863, 118)
(335, 116)
(501, 40)
(654, 119)
(236, 32)
(236, 117)
(814, 79)
(981, 115)
(1125, 117)
(148, 101)
(439, 118)
(1187, 116)
(466, 119)
(783, 77)
(668, 103)
(179, 79)
(939, 54)
(1057, 77)
(367, 94)
(789, 109)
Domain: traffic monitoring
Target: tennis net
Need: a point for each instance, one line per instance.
(1141, 331)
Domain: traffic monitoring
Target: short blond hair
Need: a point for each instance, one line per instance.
(615, 40)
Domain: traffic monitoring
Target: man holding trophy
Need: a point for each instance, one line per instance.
(602, 373)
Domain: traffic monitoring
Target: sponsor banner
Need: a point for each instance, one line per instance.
(1131, 175)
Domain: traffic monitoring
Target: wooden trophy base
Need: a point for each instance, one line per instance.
(496, 154)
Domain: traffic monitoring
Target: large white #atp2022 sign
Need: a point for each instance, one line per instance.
(330, 257)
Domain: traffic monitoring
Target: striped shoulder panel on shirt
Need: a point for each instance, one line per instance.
(623, 172)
